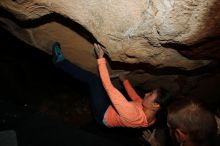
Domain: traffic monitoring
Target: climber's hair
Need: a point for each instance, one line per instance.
(164, 97)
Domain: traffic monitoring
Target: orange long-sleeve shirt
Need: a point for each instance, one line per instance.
(122, 113)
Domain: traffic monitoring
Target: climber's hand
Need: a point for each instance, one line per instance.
(99, 50)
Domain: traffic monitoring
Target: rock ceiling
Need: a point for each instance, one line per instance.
(180, 36)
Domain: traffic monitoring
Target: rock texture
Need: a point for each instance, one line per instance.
(159, 32)
(174, 41)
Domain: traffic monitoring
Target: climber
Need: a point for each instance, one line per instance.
(109, 106)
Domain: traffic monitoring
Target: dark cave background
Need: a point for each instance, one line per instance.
(29, 78)
(35, 97)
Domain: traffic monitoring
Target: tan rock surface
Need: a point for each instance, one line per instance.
(142, 31)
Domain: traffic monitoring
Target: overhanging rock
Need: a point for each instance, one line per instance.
(162, 33)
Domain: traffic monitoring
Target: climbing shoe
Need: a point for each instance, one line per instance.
(57, 53)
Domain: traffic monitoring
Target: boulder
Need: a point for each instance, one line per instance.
(159, 37)
(160, 32)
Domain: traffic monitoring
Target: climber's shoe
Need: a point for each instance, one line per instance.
(57, 53)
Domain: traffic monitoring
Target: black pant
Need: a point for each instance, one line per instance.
(98, 97)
